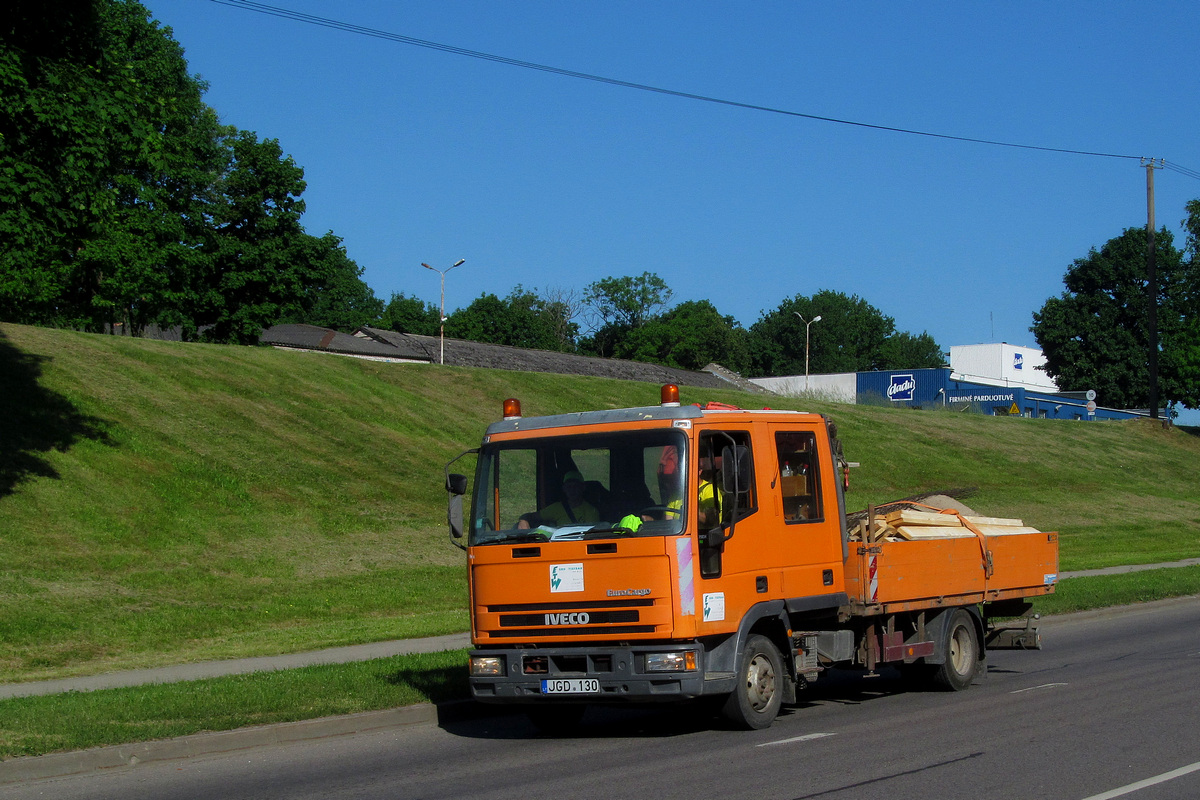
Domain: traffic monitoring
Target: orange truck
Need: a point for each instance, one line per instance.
(677, 552)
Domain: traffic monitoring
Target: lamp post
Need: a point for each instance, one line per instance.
(442, 307)
(807, 325)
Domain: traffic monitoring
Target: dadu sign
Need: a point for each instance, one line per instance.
(901, 388)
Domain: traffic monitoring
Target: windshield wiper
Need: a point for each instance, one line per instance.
(518, 537)
(606, 533)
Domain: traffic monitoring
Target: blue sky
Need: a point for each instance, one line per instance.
(414, 155)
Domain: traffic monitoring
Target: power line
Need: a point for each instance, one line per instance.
(325, 22)
(1191, 173)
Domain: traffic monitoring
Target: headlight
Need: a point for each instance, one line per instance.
(487, 666)
(671, 662)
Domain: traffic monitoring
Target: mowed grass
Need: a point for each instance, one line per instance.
(163, 503)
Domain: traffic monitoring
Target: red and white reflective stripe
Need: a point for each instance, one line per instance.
(873, 569)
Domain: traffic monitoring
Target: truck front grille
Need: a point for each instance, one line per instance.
(520, 633)
(552, 619)
(579, 618)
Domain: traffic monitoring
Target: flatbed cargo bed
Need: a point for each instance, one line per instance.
(910, 560)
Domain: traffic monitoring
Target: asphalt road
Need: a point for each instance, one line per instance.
(1109, 708)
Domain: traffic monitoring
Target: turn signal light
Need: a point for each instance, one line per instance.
(512, 408)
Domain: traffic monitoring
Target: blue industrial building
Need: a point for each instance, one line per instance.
(930, 388)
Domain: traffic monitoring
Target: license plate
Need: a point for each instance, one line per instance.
(570, 686)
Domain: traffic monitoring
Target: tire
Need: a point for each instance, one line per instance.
(755, 702)
(555, 719)
(961, 650)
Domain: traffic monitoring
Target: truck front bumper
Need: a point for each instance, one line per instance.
(594, 674)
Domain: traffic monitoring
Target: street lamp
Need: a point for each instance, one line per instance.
(442, 307)
(807, 325)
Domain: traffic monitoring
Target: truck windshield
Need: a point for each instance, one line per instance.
(580, 487)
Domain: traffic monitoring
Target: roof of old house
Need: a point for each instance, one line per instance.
(311, 337)
(370, 342)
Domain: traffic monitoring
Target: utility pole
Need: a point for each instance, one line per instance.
(1152, 287)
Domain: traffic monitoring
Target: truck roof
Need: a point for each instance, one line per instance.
(621, 415)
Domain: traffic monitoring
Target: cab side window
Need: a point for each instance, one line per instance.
(796, 453)
(725, 482)
(716, 502)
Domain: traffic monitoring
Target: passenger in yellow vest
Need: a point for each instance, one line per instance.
(572, 509)
(708, 509)
(707, 505)
(634, 521)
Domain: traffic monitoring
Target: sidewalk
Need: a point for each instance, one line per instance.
(336, 655)
(238, 666)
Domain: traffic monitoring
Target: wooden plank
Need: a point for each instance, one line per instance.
(910, 516)
(1005, 530)
(995, 521)
(914, 532)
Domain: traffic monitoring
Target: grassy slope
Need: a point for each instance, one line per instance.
(164, 502)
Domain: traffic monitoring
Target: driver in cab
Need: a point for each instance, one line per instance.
(573, 509)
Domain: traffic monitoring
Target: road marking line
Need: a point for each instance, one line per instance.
(1157, 779)
(806, 738)
(1035, 688)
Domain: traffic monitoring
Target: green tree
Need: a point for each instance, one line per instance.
(332, 292)
(852, 336)
(405, 314)
(1181, 346)
(1095, 334)
(627, 300)
(255, 270)
(523, 319)
(618, 306)
(904, 350)
(691, 335)
(106, 150)
(556, 310)
(50, 148)
(124, 202)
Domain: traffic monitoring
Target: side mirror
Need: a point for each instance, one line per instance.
(454, 515)
(456, 485)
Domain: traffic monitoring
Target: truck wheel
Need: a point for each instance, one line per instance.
(556, 720)
(755, 702)
(961, 649)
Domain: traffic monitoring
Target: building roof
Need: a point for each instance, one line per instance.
(311, 337)
(377, 343)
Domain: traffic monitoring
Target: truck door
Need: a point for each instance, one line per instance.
(804, 505)
(739, 560)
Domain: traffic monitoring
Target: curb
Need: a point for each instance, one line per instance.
(60, 765)
(240, 666)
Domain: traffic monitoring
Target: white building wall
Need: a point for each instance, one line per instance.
(1001, 364)
(840, 388)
